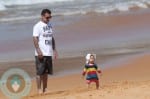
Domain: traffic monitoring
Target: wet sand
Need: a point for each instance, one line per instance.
(101, 33)
(81, 34)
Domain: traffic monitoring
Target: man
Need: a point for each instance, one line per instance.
(44, 49)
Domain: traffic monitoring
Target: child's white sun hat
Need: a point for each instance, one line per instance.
(88, 57)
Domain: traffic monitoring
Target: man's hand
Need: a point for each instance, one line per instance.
(40, 55)
(55, 54)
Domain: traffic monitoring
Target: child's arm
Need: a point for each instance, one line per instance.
(84, 72)
(98, 70)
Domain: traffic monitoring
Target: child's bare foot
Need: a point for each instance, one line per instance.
(97, 88)
(88, 86)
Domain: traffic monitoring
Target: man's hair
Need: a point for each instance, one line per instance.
(44, 11)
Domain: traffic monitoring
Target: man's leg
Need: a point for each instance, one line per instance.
(45, 81)
(49, 65)
(39, 77)
(49, 70)
(39, 81)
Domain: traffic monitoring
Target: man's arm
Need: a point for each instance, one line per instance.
(36, 40)
(53, 43)
(54, 48)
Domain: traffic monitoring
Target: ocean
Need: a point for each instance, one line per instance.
(13, 10)
(81, 26)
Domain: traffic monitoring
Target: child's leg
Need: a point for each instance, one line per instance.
(97, 84)
(88, 83)
(88, 86)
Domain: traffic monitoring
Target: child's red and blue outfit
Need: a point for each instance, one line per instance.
(90, 70)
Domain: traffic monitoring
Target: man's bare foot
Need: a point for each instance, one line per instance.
(45, 91)
(39, 91)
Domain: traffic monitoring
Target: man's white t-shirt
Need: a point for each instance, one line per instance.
(44, 33)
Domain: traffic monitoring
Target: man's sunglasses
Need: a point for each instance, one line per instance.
(48, 17)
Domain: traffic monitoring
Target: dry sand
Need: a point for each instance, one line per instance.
(127, 80)
(130, 80)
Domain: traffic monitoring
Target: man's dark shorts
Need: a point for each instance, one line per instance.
(44, 66)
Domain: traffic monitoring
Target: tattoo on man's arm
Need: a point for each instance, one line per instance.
(35, 40)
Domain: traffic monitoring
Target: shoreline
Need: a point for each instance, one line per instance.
(71, 65)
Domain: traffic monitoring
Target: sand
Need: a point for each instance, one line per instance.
(129, 80)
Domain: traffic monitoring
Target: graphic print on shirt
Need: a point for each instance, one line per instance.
(44, 33)
(47, 33)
